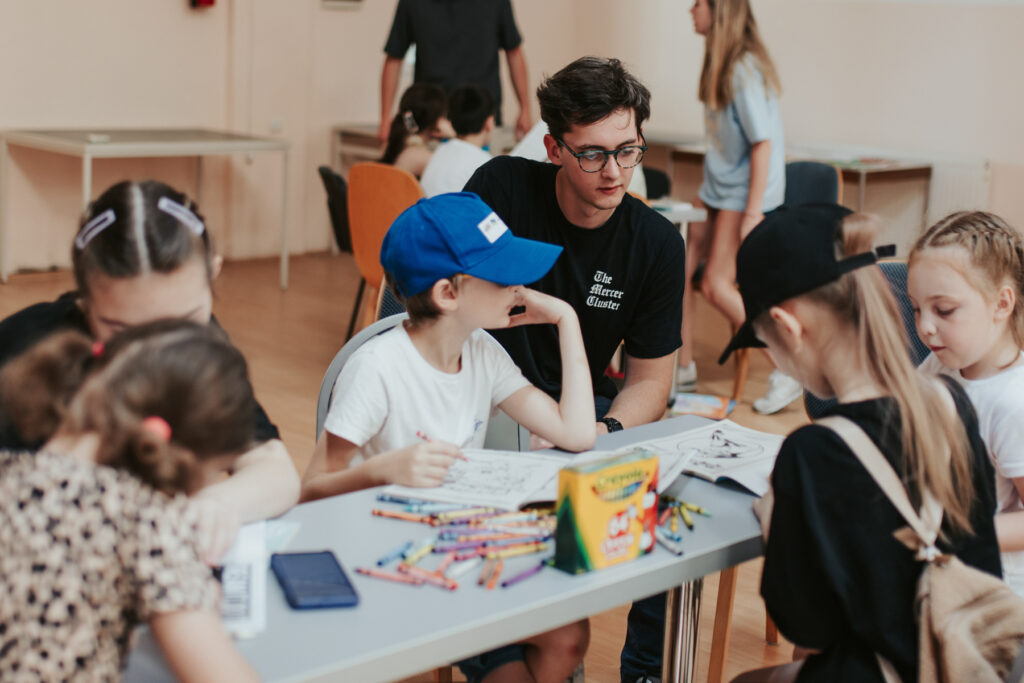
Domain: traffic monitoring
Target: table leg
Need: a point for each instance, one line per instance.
(3, 209)
(682, 615)
(284, 221)
(199, 182)
(86, 180)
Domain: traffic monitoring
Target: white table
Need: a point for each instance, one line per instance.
(398, 631)
(130, 143)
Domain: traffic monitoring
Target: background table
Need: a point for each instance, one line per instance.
(398, 630)
(130, 143)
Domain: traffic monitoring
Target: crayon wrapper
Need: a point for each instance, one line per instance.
(607, 511)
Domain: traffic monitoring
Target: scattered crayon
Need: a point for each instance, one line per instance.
(495, 575)
(400, 552)
(390, 576)
(405, 516)
(525, 574)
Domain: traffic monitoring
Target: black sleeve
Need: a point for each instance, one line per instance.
(508, 34)
(794, 583)
(655, 329)
(401, 36)
(263, 428)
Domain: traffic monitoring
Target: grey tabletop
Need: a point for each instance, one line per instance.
(399, 630)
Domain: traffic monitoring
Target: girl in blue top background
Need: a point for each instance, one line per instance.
(744, 167)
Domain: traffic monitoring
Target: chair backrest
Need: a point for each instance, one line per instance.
(337, 206)
(334, 369)
(389, 304)
(377, 193)
(810, 182)
(896, 275)
(658, 183)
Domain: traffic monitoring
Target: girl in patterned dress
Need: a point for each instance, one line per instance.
(96, 530)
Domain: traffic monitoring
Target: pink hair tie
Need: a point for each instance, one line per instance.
(97, 349)
(158, 426)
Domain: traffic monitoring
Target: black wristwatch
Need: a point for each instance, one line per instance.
(612, 424)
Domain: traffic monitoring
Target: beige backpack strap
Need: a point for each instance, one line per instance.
(926, 530)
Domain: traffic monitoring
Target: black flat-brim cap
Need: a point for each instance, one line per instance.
(791, 252)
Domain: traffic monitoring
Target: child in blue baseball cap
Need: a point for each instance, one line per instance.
(409, 399)
(459, 270)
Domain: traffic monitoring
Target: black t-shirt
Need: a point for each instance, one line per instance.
(834, 577)
(457, 41)
(624, 278)
(30, 325)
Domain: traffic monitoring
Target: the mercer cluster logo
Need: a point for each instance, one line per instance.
(601, 296)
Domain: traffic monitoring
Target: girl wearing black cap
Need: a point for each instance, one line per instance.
(835, 580)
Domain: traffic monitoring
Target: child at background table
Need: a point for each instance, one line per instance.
(421, 120)
(965, 278)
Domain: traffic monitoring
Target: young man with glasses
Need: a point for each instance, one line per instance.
(621, 267)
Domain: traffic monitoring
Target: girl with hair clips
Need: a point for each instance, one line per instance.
(143, 253)
(965, 279)
(94, 534)
(421, 119)
(744, 169)
(836, 580)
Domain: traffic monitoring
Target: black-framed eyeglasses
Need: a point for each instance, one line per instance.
(593, 160)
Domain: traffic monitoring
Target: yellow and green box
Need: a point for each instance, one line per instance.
(607, 510)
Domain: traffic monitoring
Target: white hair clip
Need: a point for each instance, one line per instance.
(182, 213)
(94, 227)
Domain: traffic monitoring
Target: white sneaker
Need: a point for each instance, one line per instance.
(686, 378)
(782, 390)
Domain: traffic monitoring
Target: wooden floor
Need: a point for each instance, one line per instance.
(290, 337)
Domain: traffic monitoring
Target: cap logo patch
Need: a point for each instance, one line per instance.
(492, 227)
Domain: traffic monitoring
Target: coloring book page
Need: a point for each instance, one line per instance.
(500, 479)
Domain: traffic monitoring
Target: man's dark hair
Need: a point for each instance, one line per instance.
(588, 90)
(469, 107)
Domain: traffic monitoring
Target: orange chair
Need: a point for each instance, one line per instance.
(377, 194)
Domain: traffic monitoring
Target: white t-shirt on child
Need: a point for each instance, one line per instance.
(387, 392)
(999, 402)
(450, 166)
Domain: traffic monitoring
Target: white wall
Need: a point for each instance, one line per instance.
(939, 80)
(931, 79)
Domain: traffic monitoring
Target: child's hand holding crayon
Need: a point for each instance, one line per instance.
(423, 464)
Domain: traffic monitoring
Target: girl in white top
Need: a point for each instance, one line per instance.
(965, 279)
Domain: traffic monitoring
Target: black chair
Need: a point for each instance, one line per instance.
(389, 304)
(810, 182)
(337, 208)
(658, 183)
(896, 275)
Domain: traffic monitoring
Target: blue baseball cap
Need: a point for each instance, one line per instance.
(458, 233)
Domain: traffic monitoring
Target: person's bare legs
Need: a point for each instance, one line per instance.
(551, 657)
(696, 250)
(719, 283)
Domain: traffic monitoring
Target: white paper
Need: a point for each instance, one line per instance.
(724, 449)
(499, 479)
(244, 582)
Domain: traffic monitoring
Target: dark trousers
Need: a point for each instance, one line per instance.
(645, 626)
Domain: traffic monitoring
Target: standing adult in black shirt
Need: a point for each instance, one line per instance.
(621, 267)
(457, 42)
(142, 254)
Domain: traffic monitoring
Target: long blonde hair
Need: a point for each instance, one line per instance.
(994, 250)
(733, 35)
(862, 298)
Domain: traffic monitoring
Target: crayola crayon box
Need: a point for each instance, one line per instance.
(607, 510)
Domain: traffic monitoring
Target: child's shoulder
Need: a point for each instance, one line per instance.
(747, 69)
